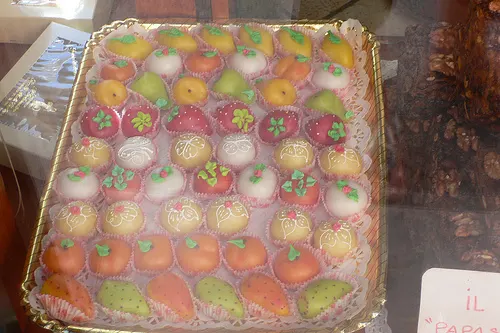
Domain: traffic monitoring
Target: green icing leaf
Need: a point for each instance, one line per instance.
(255, 179)
(301, 191)
(238, 242)
(117, 171)
(130, 175)
(214, 30)
(276, 126)
(210, 54)
(287, 186)
(295, 35)
(337, 71)
(260, 166)
(156, 178)
(159, 53)
(67, 243)
(108, 182)
(212, 181)
(121, 63)
(120, 186)
(127, 39)
(172, 32)
(341, 184)
(297, 174)
(333, 38)
(191, 243)
(203, 175)
(93, 82)
(223, 170)
(293, 253)
(255, 36)
(242, 118)
(300, 184)
(103, 250)
(353, 195)
(174, 113)
(349, 114)
(169, 170)
(301, 58)
(259, 80)
(249, 93)
(74, 178)
(161, 103)
(310, 181)
(145, 246)
(85, 169)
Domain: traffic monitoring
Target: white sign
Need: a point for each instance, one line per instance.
(454, 301)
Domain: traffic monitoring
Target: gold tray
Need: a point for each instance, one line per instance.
(376, 234)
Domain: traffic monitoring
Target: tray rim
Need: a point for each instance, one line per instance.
(379, 297)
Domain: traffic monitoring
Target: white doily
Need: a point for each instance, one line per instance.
(379, 324)
(355, 266)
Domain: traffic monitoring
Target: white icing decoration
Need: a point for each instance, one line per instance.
(288, 225)
(90, 150)
(189, 146)
(296, 149)
(74, 221)
(349, 154)
(237, 143)
(342, 236)
(223, 213)
(129, 214)
(135, 153)
(177, 217)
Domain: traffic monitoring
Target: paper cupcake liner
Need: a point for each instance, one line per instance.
(259, 202)
(109, 139)
(155, 126)
(256, 310)
(307, 168)
(148, 172)
(315, 113)
(308, 32)
(210, 120)
(240, 273)
(199, 104)
(49, 242)
(224, 97)
(208, 196)
(237, 168)
(320, 145)
(126, 271)
(340, 305)
(352, 218)
(166, 78)
(66, 199)
(158, 223)
(299, 84)
(206, 76)
(221, 130)
(153, 272)
(217, 233)
(295, 286)
(332, 261)
(331, 176)
(101, 65)
(136, 197)
(215, 311)
(63, 310)
(121, 316)
(164, 312)
(201, 42)
(252, 25)
(291, 135)
(269, 106)
(100, 169)
(198, 274)
(122, 237)
(55, 209)
(139, 99)
(284, 243)
(250, 76)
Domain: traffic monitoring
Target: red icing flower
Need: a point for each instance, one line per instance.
(245, 51)
(228, 204)
(258, 173)
(85, 142)
(339, 148)
(331, 68)
(336, 226)
(178, 206)
(75, 210)
(80, 174)
(292, 215)
(165, 51)
(163, 174)
(347, 189)
(119, 209)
